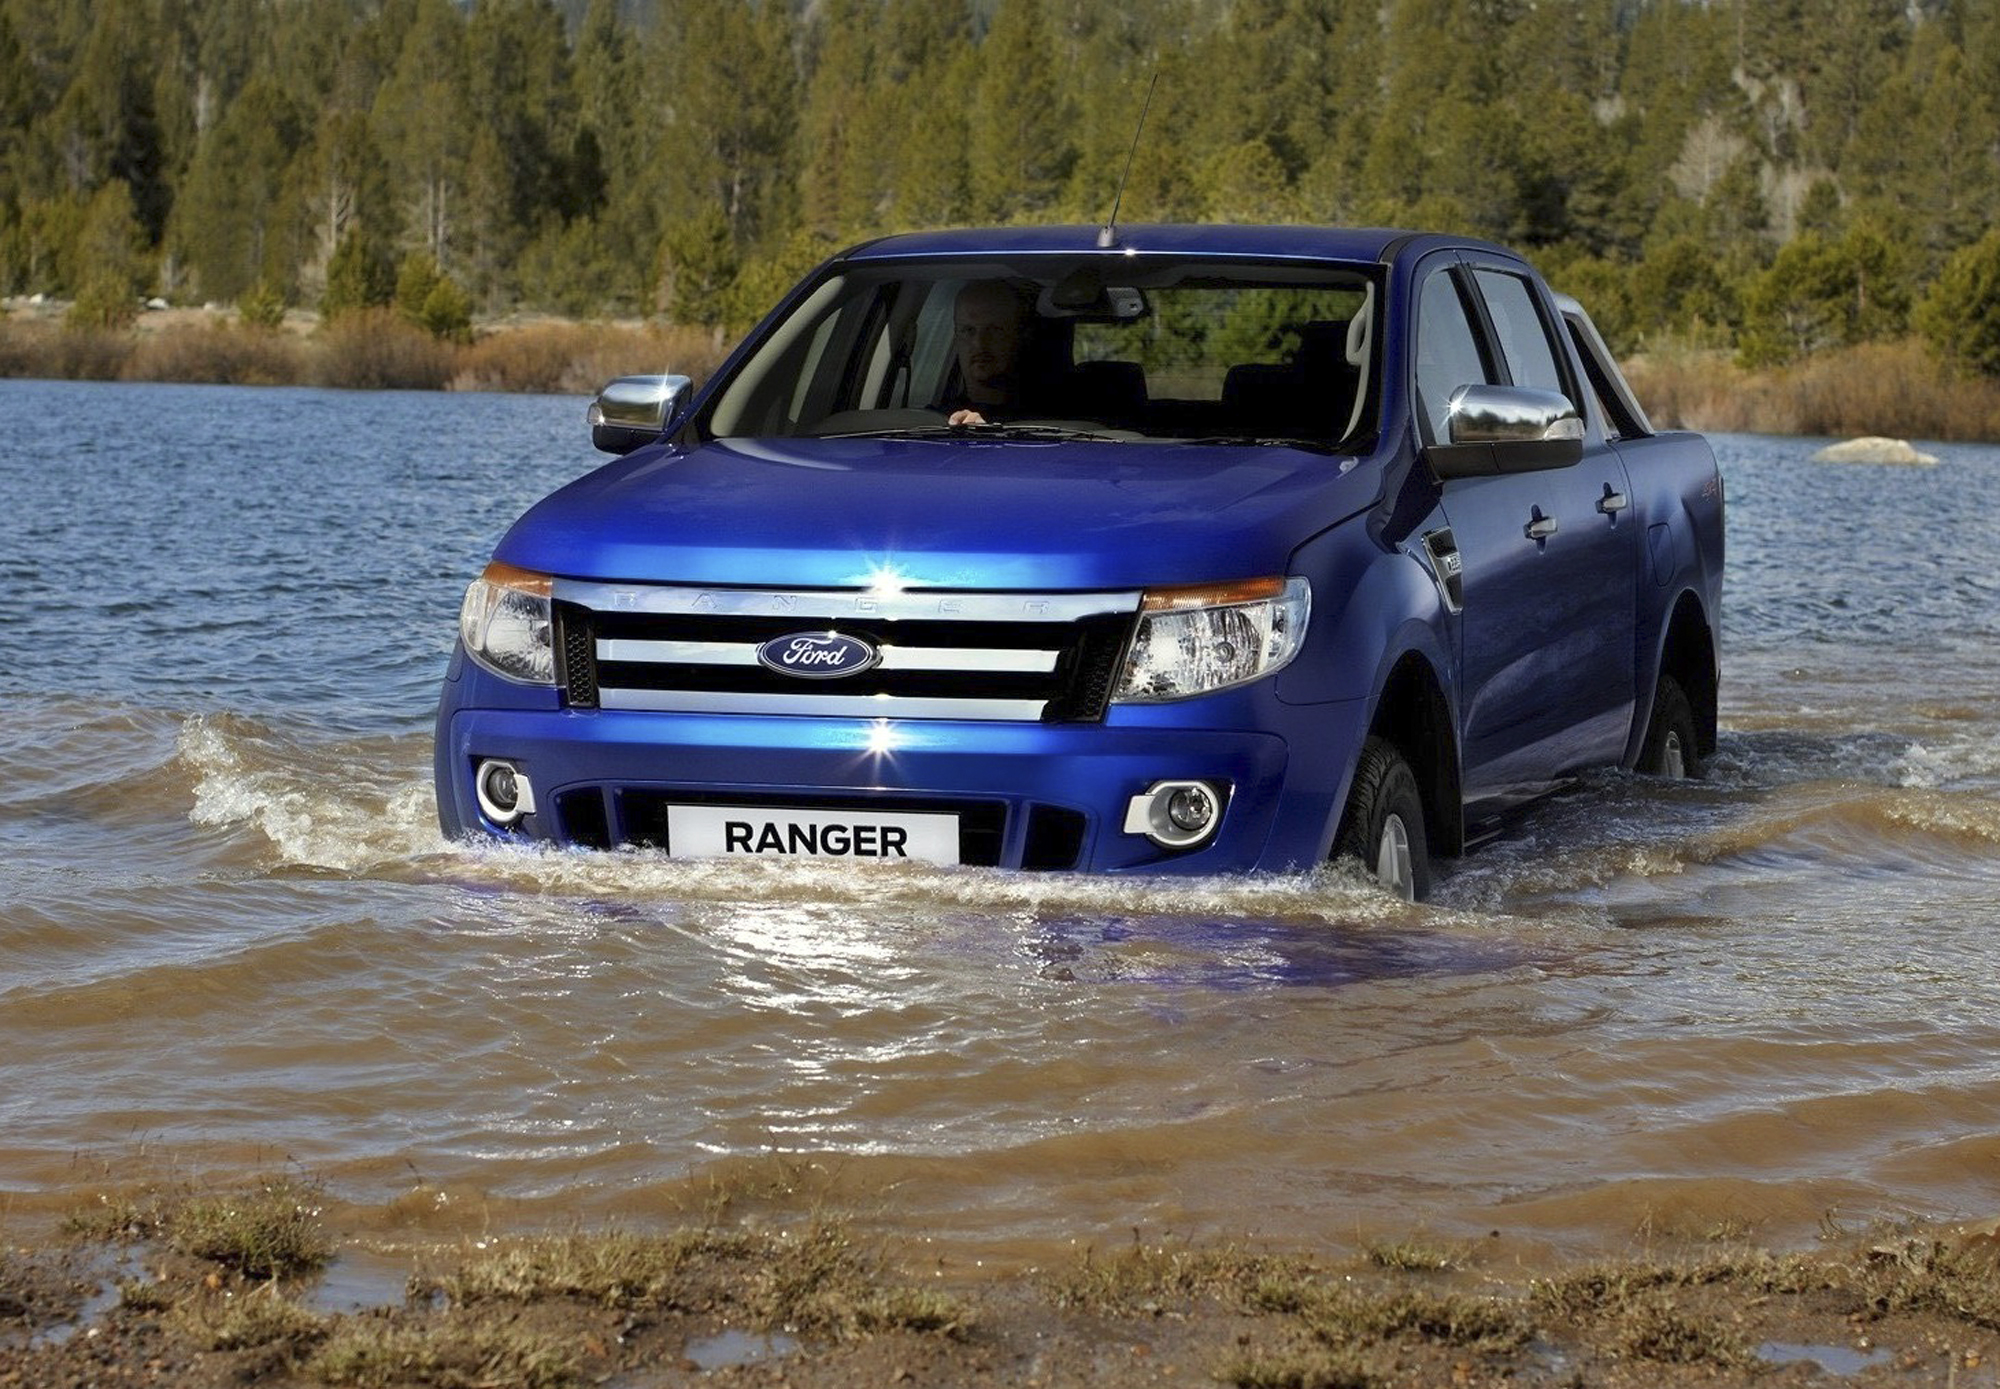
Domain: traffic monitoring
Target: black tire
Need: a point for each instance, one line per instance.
(1385, 794)
(1671, 748)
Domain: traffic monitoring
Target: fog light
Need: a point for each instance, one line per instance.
(1190, 809)
(1175, 814)
(505, 793)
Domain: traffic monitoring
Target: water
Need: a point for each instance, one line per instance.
(232, 941)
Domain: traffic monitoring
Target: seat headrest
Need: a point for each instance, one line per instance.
(1322, 338)
(1125, 377)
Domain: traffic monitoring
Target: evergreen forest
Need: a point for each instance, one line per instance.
(1773, 177)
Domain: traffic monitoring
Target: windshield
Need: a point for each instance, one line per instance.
(1060, 346)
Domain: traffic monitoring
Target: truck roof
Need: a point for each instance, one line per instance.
(1263, 242)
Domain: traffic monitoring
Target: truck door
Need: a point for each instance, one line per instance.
(1547, 644)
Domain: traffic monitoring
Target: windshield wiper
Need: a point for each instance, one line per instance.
(998, 430)
(1268, 441)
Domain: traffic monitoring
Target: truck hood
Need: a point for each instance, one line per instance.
(943, 513)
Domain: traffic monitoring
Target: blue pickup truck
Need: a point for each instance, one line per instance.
(1166, 549)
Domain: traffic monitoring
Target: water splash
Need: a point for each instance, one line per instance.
(340, 806)
(364, 808)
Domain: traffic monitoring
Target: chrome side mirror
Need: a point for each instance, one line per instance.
(1508, 414)
(633, 411)
(1507, 429)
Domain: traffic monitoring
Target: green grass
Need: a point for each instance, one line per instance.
(1960, 1281)
(816, 1280)
(1145, 1278)
(1654, 1327)
(1415, 1256)
(614, 1269)
(144, 1295)
(260, 1317)
(112, 1217)
(1305, 1369)
(373, 1353)
(273, 1231)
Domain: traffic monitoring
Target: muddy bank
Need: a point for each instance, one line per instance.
(206, 1288)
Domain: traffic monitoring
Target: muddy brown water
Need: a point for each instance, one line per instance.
(232, 941)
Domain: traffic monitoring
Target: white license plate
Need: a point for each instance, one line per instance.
(720, 831)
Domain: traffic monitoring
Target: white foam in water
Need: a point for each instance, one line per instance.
(321, 808)
(1328, 894)
(342, 807)
(366, 808)
(1973, 758)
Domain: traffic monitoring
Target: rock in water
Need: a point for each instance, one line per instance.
(1873, 448)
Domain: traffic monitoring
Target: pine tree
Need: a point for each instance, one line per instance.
(1960, 315)
(834, 169)
(1842, 56)
(103, 127)
(521, 109)
(110, 265)
(1796, 307)
(230, 223)
(359, 276)
(608, 83)
(1018, 149)
(17, 97)
(698, 266)
(731, 87)
(429, 299)
(339, 182)
(425, 123)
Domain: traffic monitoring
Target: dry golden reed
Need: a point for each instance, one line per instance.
(224, 354)
(373, 350)
(53, 352)
(370, 350)
(1896, 389)
(577, 358)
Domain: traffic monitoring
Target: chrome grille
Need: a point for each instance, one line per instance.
(1025, 657)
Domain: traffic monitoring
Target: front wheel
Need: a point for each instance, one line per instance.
(1383, 824)
(1671, 749)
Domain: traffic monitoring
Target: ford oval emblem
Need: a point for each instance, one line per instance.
(818, 655)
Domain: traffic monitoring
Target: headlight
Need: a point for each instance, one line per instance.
(508, 626)
(1194, 640)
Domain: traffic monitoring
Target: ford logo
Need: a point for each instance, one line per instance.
(817, 655)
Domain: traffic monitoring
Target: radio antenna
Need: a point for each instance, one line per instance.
(1107, 235)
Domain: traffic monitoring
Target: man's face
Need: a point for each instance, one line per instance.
(987, 337)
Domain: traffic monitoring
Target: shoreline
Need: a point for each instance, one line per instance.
(369, 350)
(765, 1283)
(1894, 389)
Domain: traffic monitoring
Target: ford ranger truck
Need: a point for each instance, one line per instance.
(1162, 549)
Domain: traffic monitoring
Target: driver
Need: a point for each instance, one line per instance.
(989, 328)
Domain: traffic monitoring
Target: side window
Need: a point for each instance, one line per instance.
(1620, 421)
(931, 356)
(1448, 353)
(810, 369)
(1524, 338)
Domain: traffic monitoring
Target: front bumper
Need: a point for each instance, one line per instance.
(1030, 795)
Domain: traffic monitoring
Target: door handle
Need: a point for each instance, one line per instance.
(1541, 527)
(1611, 503)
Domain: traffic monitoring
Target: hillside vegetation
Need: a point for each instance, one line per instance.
(1767, 181)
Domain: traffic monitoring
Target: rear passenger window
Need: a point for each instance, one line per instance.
(1619, 419)
(1524, 337)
